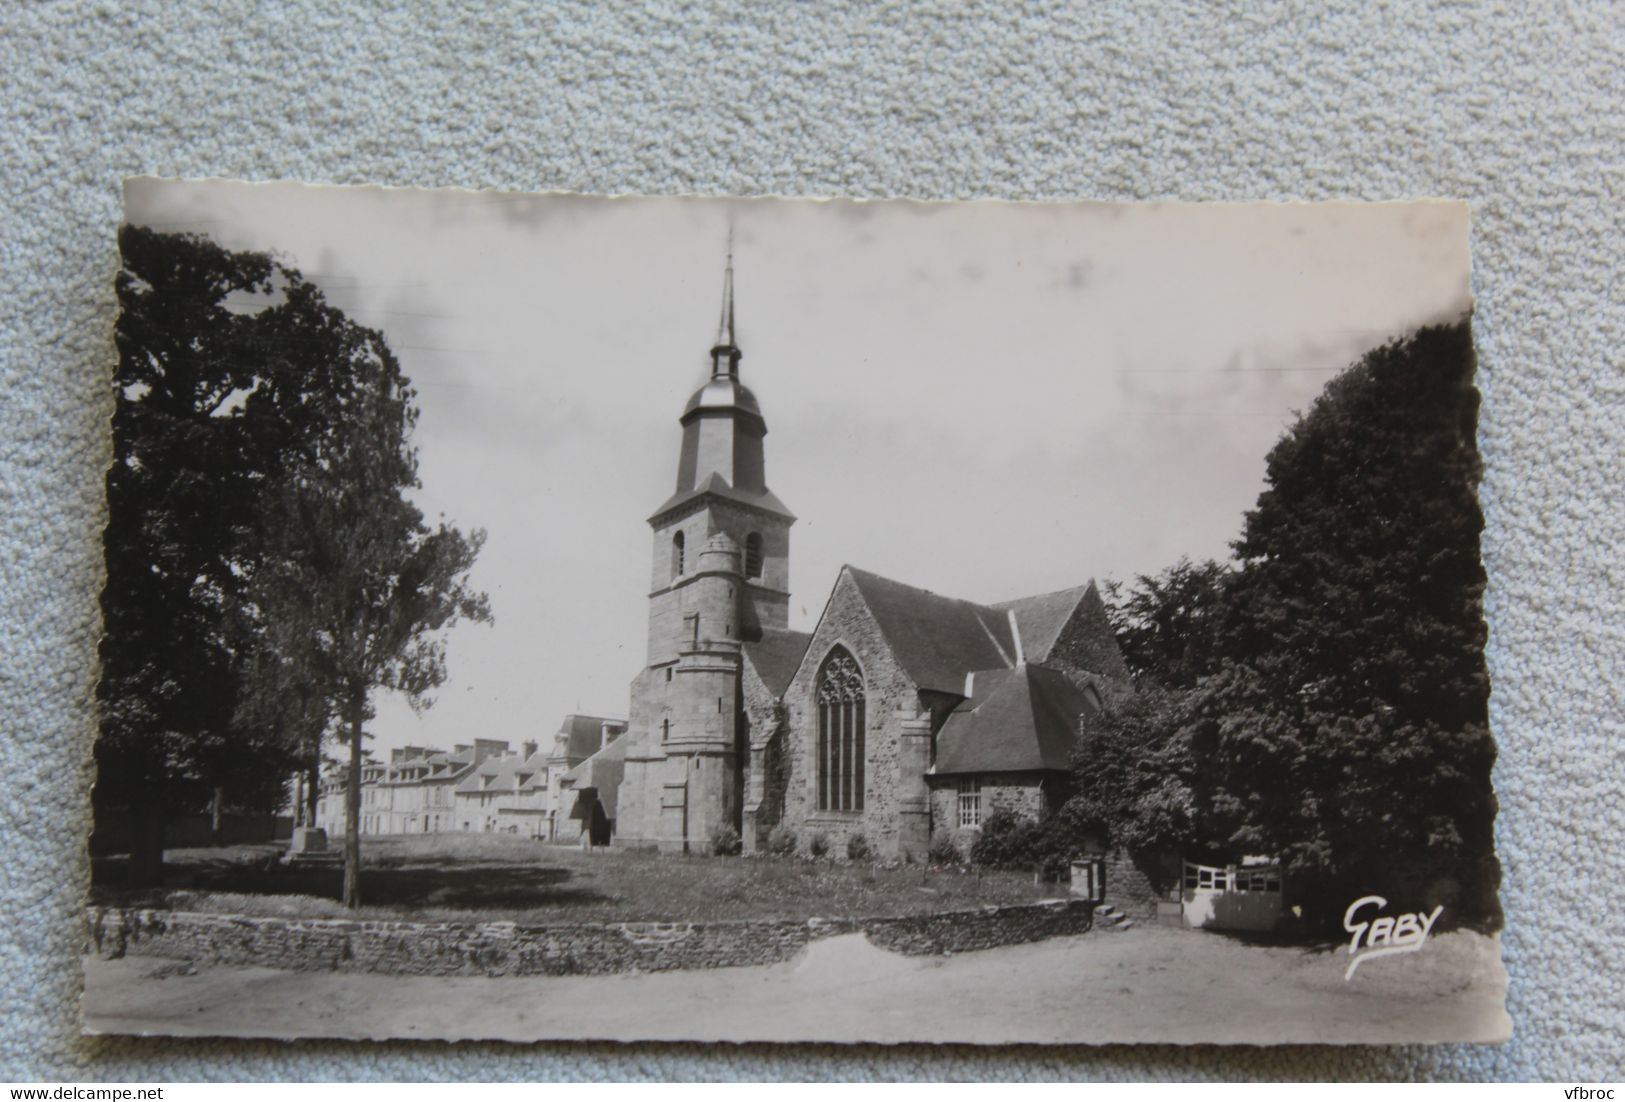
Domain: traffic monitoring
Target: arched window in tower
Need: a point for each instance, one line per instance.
(841, 728)
(677, 555)
(753, 555)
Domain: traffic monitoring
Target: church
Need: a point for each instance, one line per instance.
(901, 715)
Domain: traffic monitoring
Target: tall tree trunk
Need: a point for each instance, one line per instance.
(312, 785)
(214, 814)
(352, 814)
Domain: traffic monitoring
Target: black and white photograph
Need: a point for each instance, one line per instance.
(538, 617)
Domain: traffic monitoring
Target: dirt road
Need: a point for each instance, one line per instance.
(1145, 984)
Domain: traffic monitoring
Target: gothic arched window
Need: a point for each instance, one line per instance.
(677, 555)
(841, 724)
(753, 555)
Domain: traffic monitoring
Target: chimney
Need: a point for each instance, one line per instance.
(527, 749)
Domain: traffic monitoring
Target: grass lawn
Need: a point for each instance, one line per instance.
(496, 877)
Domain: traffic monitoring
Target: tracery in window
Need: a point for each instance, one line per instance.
(842, 721)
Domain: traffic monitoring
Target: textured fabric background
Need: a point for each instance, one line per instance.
(1516, 108)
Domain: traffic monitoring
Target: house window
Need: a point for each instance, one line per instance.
(841, 723)
(753, 555)
(970, 803)
(677, 555)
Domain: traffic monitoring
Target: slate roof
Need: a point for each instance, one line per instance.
(534, 766)
(776, 656)
(448, 767)
(582, 735)
(1042, 617)
(603, 772)
(766, 500)
(1015, 720)
(935, 639)
(500, 770)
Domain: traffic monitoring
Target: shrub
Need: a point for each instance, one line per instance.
(818, 844)
(858, 848)
(1009, 842)
(782, 842)
(944, 850)
(725, 841)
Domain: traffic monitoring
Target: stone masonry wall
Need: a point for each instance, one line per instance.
(847, 622)
(1136, 884)
(762, 774)
(1087, 645)
(504, 948)
(1017, 793)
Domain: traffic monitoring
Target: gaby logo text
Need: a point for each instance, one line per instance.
(1379, 935)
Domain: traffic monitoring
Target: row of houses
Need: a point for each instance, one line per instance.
(485, 786)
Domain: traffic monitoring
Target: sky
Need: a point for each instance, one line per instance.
(984, 399)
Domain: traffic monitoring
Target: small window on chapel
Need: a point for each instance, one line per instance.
(677, 554)
(970, 803)
(753, 555)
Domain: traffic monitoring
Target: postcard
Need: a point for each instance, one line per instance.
(549, 616)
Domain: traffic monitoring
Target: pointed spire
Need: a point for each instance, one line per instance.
(725, 330)
(725, 354)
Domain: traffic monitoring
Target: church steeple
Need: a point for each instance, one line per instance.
(722, 423)
(725, 354)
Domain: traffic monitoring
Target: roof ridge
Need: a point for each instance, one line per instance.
(1078, 589)
(917, 589)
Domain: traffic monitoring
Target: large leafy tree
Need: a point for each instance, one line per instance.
(180, 495)
(367, 586)
(1326, 700)
(1349, 728)
(253, 421)
(1135, 779)
(1166, 623)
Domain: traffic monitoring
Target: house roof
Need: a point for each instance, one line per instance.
(582, 735)
(776, 656)
(718, 486)
(533, 769)
(603, 772)
(936, 639)
(1041, 618)
(500, 772)
(1015, 720)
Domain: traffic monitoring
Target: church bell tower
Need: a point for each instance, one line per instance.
(719, 575)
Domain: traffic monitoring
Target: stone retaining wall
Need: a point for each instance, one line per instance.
(505, 948)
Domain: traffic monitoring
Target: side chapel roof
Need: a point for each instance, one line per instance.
(1015, 720)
